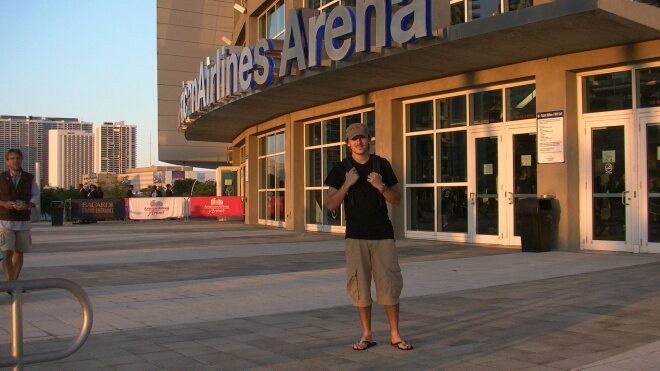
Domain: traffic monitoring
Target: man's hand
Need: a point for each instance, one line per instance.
(21, 205)
(376, 181)
(8, 205)
(352, 177)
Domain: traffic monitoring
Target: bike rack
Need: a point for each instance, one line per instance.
(17, 360)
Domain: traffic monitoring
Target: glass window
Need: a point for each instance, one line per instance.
(420, 116)
(272, 177)
(271, 23)
(483, 8)
(327, 5)
(451, 112)
(421, 212)
(457, 9)
(608, 92)
(452, 160)
(649, 87)
(486, 107)
(332, 130)
(420, 159)
(314, 168)
(519, 4)
(521, 102)
(313, 134)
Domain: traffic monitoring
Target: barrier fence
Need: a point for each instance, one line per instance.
(154, 208)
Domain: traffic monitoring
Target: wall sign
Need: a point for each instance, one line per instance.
(310, 37)
(550, 134)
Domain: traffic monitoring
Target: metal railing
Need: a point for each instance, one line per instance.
(17, 360)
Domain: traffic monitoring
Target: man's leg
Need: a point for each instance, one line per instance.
(12, 264)
(365, 321)
(7, 266)
(17, 262)
(392, 312)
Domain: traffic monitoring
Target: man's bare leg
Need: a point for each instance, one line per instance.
(392, 312)
(365, 321)
(18, 264)
(6, 264)
(12, 264)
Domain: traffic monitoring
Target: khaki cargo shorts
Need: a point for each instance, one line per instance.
(377, 258)
(15, 240)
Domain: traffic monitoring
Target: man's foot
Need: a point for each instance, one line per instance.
(364, 345)
(402, 345)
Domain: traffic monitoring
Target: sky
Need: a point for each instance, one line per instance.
(94, 60)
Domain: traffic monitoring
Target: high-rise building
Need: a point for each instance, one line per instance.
(71, 155)
(115, 147)
(30, 135)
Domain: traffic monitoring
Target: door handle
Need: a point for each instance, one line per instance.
(471, 197)
(623, 197)
(510, 197)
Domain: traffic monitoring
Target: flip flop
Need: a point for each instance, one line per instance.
(402, 345)
(363, 345)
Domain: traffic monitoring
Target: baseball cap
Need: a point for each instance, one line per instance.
(357, 129)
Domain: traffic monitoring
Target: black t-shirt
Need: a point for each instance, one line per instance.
(364, 206)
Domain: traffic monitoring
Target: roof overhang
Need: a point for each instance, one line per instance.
(551, 29)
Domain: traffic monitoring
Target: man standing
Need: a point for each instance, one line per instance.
(156, 192)
(168, 190)
(18, 194)
(82, 192)
(129, 192)
(363, 184)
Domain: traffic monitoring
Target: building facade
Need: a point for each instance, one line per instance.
(159, 176)
(477, 105)
(30, 135)
(115, 147)
(71, 154)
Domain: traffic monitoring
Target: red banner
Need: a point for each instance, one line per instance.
(216, 206)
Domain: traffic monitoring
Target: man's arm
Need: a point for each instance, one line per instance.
(336, 196)
(392, 194)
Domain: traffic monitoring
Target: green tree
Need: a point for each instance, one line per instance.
(181, 188)
(207, 188)
(117, 188)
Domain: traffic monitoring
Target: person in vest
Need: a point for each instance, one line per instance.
(18, 194)
(363, 183)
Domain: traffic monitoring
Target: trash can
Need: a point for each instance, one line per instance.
(57, 212)
(539, 221)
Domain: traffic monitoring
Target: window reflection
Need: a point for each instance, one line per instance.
(649, 87)
(451, 112)
(420, 159)
(452, 161)
(608, 92)
(486, 107)
(521, 102)
(421, 212)
(420, 116)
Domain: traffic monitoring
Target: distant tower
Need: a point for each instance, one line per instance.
(115, 148)
(30, 135)
(71, 156)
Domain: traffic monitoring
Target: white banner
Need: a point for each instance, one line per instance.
(151, 208)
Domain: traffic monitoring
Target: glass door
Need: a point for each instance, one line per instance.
(522, 178)
(650, 183)
(485, 191)
(503, 172)
(609, 196)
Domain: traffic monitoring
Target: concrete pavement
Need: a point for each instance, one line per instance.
(209, 295)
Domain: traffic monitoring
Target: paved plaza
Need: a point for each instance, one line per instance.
(209, 295)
